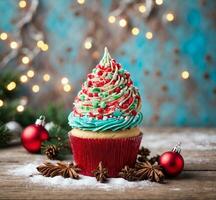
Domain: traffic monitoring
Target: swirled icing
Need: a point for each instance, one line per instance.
(114, 124)
(108, 99)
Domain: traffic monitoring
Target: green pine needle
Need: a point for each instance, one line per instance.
(58, 136)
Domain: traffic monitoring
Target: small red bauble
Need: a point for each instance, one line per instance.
(33, 135)
(172, 162)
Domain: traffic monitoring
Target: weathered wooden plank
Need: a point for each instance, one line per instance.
(191, 184)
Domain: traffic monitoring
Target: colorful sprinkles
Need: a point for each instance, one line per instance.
(108, 92)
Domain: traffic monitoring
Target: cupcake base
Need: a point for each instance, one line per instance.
(114, 153)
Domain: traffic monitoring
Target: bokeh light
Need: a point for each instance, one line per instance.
(3, 36)
(149, 35)
(185, 74)
(23, 78)
(20, 108)
(22, 4)
(13, 45)
(35, 88)
(1, 103)
(111, 19)
(135, 31)
(30, 73)
(122, 22)
(11, 86)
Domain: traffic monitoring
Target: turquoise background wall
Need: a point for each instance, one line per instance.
(188, 43)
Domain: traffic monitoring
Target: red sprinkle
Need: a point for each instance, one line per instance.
(100, 110)
(91, 114)
(133, 112)
(113, 82)
(95, 94)
(100, 117)
(127, 75)
(130, 82)
(100, 73)
(126, 95)
(117, 90)
(89, 83)
(99, 84)
(108, 69)
(108, 80)
(84, 91)
(130, 100)
(101, 67)
(90, 76)
(124, 106)
(118, 65)
(137, 97)
(90, 94)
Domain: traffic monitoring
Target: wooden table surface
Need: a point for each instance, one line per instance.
(197, 181)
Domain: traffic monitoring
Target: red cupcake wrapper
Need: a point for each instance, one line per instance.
(114, 153)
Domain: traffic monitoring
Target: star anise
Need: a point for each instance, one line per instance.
(101, 173)
(143, 154)
(48, 169)
(128, 174)
(147, 171)
(60, 169)
(69, 170)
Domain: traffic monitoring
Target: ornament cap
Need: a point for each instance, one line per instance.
(177, 148)
(40, 121)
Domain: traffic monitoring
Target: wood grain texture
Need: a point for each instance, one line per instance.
(198, 181)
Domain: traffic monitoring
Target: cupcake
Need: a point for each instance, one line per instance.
(105, 119)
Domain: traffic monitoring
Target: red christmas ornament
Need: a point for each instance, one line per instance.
(33, 135)
(172, 161)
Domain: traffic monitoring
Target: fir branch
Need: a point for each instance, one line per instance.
(59, 138)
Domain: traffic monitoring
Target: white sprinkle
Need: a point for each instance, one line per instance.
(105, 117)
(126, 118)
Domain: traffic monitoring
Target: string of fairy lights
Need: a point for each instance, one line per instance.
(26, 60)
(122, 22)
(42, 46)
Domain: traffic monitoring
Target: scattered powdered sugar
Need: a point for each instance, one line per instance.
(190, 141)
(83, 183)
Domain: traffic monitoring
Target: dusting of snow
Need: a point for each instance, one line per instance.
(190, 141)
(84, 182)
(196, 141)
(175, 189)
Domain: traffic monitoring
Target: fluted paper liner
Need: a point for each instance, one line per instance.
(114, 153)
